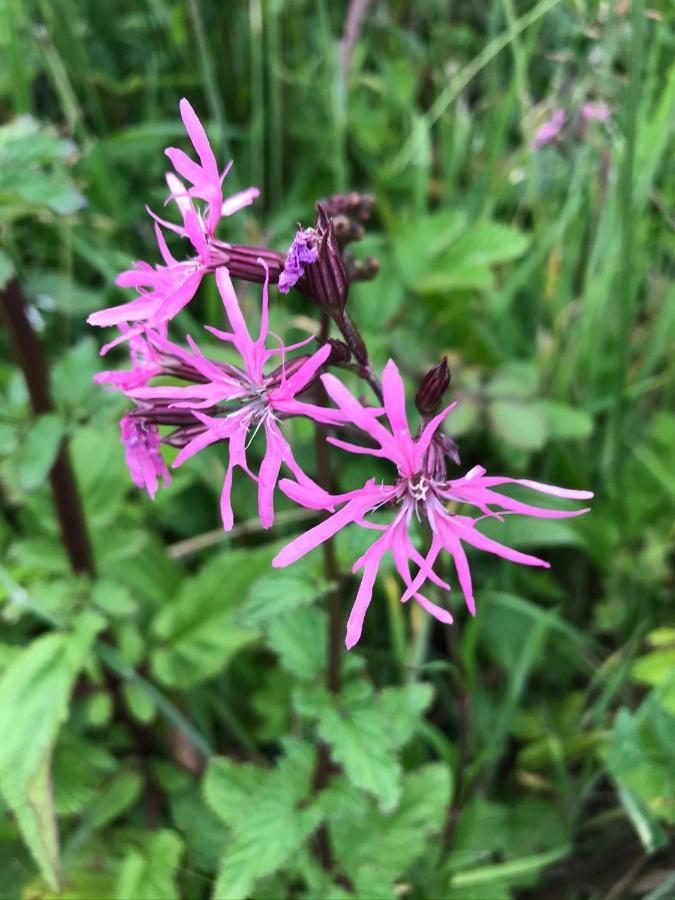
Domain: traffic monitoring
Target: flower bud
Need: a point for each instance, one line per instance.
(327, 277)
(433, 386)
(339, 353)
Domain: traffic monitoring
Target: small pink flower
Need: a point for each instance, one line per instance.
(165, 289)
(595, 111)
(549, 130)
(420, 491)
(144, 458)
(257, 402)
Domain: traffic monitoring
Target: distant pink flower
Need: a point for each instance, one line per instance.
(594, 111)
(421, 491)
(259, 400)
(144, 458)
(165, 289)
(549, 130)
(303, 251)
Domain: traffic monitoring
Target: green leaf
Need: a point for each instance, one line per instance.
(378, 849)
(298, 639)
(54, 291)
(197, 633)
(39, 451)
(364, 735)
(115, 798)
(564, 421)
(279, 592)
(519, 423)
(267, 813)
(514, 872)
(112, 598)
(641, 759)
(149, 872)
(34, 693)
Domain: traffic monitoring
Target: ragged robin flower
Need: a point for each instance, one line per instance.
(420, 491)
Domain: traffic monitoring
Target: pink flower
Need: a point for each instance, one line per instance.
(420, 491)
(598, 112)
(257, 402)
(549, 130)
(165, 289)
(143, 454)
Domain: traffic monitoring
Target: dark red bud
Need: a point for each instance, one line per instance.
(339, 353)
(433, 386)
(327, 277)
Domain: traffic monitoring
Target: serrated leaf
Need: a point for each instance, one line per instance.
(364, 735)
(267, 814)
(34, 693)
(197, 633)
(377, 848)
(39, 450)
(298, 639)
(280, 591)
(150, 871)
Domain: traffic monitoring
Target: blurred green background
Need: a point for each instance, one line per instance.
(160, 723)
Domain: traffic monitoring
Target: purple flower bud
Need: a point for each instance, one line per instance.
(303, 252)
(433, 386)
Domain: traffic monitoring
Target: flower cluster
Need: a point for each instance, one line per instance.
(185, 399)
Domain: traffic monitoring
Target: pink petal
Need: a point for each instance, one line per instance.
(493, 481)
(394, 401)
(309, 411)
(297, 548)
(238, 201)
(364, 418)
(422, 445)
(184, 165)
(313, 497)
(242, 338)
(268, 474)
(471, 535)
(302, 376)
(365, 592)
(200, 141)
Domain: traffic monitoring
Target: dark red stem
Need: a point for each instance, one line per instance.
(33, 363)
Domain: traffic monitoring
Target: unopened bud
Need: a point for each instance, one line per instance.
(339, 353)
(327, 277)
(433, 386)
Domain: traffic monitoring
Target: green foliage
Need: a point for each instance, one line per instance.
(166, 729)
(34, 693)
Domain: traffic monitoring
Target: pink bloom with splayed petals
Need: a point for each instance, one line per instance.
(261, 401)
(165, 289)
(420, 491)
